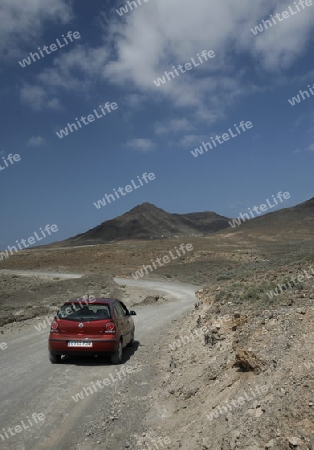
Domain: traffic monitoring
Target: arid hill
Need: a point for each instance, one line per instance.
(146, 221)
(295, 223)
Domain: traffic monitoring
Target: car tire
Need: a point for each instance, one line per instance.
(54, 359)
(116, 357)
(131, 343)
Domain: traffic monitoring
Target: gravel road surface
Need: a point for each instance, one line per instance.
(30, 384)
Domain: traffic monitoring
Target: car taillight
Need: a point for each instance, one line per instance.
(110, 327)
(54, 326)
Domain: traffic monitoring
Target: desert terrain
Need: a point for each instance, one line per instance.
(221, 361)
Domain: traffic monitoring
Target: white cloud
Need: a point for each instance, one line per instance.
(173, 125)
(74, 70)
(135, 100)
(34, 95)
(153, 38)
(54, 103)
(36, 141)
(143, 145)
(175, 31)
(311, 147)
(237, 205)
(23, 22)
(191, 139)
(256, 137)
(81, 60)
(281, 44)
(38, 98)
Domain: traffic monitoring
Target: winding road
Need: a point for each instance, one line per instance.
(30, 384)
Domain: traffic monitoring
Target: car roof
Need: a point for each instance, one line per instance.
(101, 300)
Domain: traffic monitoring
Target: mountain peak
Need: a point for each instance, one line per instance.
(147, 221)
(145, 208)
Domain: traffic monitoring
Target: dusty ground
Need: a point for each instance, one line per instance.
(235, 341)
(213, 259)
(24, 297)
(236, 344)
(248, 343)
(31, 384)
(123, 258)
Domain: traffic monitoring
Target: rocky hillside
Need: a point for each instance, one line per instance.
(240, 367)
(295, 223)
(146, 221)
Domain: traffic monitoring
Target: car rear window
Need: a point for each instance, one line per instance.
(77, 312)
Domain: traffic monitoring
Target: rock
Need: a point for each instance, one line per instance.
(294, 442)
(270, 445)
(247, 361)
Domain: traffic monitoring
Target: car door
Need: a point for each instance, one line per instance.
(120, 320)
(124, 321)
(130, 322)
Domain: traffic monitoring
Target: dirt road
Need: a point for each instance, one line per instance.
(30, 384)
(32, 273)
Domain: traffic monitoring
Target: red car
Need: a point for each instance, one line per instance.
(91, 327)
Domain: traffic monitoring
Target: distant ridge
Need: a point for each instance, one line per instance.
(296, 221)
(147, 221)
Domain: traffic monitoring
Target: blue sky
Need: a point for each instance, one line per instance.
(154, 129)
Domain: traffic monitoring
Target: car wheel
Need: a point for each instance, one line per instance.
(54, 359)
(116, 357)
(131, 343)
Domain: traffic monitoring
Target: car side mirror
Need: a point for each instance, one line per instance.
(132, 313)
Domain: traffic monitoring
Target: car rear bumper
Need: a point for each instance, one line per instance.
(59, 346)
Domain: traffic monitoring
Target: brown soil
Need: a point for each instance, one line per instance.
(266, 342)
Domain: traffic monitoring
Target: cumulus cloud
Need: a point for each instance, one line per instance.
(38, 98)
(153, 38)
(162, 34)
(174, 125)
(191, 139)
(311, 148)
(71, 71)
(143, 145)
(22, 23)
(69, 67)
(135, 100)
(281, 44)
(36, 141)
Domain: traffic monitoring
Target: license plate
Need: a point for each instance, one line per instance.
(79, 344)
